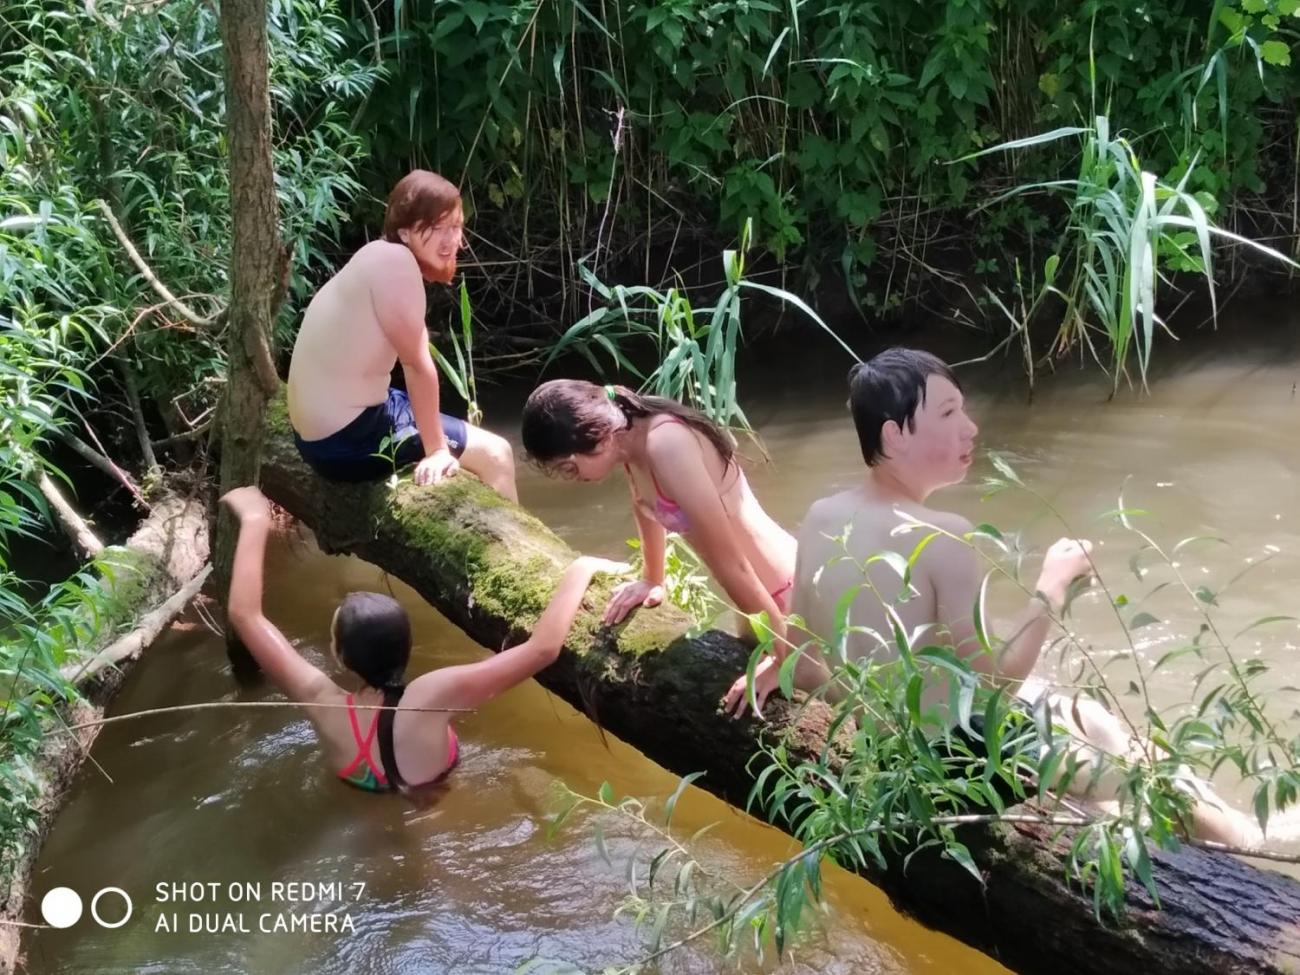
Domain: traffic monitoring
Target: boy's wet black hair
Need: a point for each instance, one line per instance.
(890, 386)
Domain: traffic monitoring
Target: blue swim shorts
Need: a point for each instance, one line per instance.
(358, 452)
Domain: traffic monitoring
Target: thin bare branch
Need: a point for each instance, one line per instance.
(73, 525)
(190, 315)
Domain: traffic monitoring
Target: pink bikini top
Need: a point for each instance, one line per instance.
(665, 510)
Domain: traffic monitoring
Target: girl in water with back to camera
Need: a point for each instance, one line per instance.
(684, 477)
(407, 744)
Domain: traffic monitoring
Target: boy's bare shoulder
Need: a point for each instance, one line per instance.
(833, 508)
(830, 516)
(949, 521)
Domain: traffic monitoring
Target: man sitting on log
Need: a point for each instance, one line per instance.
(348, 424)
(916, 437)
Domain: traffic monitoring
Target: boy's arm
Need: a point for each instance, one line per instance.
(954, 569)
(469, 685)
(274, 654)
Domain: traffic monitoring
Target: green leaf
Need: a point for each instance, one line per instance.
(1003, 468)
(1262, 805)
(959, 852)
(671, 804)
(606, 793)
(785, 676)
(1265, 621)
(977, 614)
(600, 845)
(1276, 53)
(1198, 538)
(657, 931)
(658, 861)
(986, 530)
(1141, 620)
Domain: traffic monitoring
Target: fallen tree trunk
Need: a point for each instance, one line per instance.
(149, 581)
(489, 566)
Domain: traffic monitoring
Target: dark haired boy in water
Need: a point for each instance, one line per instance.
(916, 437)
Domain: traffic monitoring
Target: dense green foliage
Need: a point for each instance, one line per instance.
(828, 122)
(122, 103)
(607, 142)
(608, 137)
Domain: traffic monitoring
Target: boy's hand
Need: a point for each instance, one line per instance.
(247, 503)
(1065, 561)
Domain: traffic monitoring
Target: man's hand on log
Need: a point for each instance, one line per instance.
(435, 467)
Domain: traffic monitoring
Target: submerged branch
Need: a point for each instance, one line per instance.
(73, 525)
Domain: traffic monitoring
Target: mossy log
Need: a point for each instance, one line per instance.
(146, 583)
(489, 566)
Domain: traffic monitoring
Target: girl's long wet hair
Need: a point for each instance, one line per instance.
(372, 634)
(572, 416)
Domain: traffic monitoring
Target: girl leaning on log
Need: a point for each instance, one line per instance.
(684, 477)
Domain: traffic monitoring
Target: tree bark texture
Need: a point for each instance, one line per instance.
(255, 258)
(167, 555)
(490, 567)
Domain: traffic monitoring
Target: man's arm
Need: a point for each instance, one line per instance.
(397, 295)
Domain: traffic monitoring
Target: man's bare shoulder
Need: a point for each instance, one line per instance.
(381, 258)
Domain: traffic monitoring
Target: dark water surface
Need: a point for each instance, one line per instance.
(474, 884)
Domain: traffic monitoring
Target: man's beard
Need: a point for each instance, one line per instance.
(441, 273)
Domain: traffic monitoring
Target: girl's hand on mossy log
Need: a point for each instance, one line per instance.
(628, 596)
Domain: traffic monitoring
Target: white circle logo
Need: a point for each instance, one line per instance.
(94, 907)
(61, 907)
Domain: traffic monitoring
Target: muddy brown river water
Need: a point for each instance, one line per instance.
(474, 884)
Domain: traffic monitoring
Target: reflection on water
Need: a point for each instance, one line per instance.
(474, 884)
